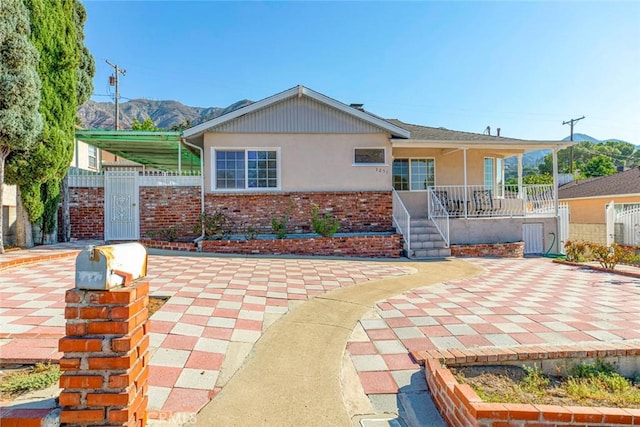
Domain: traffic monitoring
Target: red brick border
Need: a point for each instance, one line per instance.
(459, 405)
(382, 246)
(599, 268)
(502, 250)
(36, 258)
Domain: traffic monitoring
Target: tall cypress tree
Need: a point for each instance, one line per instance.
(56, 31)
(20, 119)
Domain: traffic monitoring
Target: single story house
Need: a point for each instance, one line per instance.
(588, 200)
(443, 190)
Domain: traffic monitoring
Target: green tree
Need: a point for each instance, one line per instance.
(55, 33)
(600, 165)
(20, 120)
(146, 125)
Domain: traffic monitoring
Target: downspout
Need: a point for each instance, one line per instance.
(182, 139)
(555, 191)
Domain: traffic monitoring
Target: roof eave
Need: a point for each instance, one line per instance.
(298, 91)
(513, 144)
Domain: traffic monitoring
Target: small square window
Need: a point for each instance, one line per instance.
(369, 156)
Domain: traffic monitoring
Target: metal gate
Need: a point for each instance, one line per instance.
(563, 226)
(610, 214)
(122, 214)
(532, 237)
(629, 222)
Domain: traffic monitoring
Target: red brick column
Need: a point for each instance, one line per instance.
(106, 357)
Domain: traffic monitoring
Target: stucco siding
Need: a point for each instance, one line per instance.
(592, 211)
(311, 162)
(450, 165)
(500, 230)
(297, 115)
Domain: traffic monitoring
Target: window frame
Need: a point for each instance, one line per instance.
(497, 184)
(409, 180)
(94, 157)
(246, 189)
(384, 152)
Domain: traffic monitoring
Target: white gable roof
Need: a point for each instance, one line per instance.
(298, 91)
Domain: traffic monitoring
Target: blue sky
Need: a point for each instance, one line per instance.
(522, 66)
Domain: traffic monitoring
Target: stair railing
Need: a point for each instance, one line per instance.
(438, 215)
(402, 220)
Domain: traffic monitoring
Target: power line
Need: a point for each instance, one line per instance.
(571, 122)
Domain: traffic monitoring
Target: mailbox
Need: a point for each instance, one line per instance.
(110, 266)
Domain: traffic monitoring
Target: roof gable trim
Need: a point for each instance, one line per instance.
(298, 91)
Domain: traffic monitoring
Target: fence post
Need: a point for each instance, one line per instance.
(106, 357)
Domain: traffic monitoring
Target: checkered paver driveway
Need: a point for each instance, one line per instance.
(214, 302)
(516, 302)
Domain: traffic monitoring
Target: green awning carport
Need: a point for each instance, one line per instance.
(165, 151)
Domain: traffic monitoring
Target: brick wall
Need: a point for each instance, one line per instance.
(164, 207)
(356, 211)
(503, 250)
(106, 355)
(384, 246)
(86, 210)
(459, 405)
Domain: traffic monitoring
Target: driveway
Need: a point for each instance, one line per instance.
(221, 306)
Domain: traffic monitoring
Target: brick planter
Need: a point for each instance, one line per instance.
(383, 246)
(459, 405)
(502, 250)
(106, 357)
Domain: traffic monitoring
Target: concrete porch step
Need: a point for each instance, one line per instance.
(431, 253)
(428, 244)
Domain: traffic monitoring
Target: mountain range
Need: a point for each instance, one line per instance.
(165, 114)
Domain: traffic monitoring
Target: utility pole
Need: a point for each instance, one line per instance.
(115, 81)
(571, 123)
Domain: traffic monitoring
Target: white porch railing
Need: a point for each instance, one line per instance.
(402, 220)
(477, 201)
(438, 215)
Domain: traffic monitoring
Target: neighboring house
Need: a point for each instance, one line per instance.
(89, 158)
(588, 198)
(278, 157)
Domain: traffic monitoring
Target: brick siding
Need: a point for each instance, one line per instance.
(383, 246)
(86, 211)
(370, 211)
(164, 207)
(503, 250)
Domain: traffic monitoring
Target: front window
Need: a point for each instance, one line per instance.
(93, 157)
(246, 169)
(413, 174)
(369, 156)
(494, 175)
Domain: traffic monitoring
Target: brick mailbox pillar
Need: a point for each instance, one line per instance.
(106, 357)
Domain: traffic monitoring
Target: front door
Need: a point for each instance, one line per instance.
(121, 210)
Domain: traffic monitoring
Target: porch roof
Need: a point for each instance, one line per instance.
(158, 150)
(430, 137)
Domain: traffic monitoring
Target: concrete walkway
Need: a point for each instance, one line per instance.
(293, 375)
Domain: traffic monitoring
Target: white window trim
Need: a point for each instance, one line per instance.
(384, 149)
(495, 186)
(89, 157)
(214, 189)
(435, 181)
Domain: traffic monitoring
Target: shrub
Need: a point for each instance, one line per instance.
(216, 225)
(609, 257)
(279, 226)
(326, 226)
(577, 251)
(169, 234)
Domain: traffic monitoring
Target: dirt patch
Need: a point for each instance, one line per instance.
(513, 384)
(155, 303)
